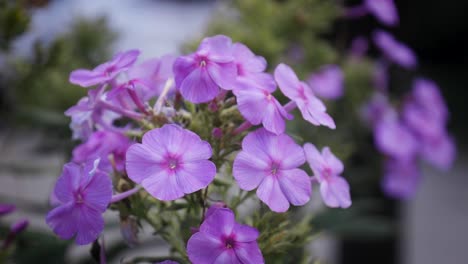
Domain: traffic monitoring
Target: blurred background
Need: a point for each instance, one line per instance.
(42, 41)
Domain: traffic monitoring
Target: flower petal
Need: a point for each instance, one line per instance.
(98, 192)
(270, 193)
(198, 87)
(194, 176)
(90, 225)
(296, 186)
(220, 223)
(249, 170)
(142, 162)
(163, 186)
(287, 81)
(202, 248)
(87, 78)
(63, 220)
(335, 192)
(249, 253)
(332, 161)
(245, 233)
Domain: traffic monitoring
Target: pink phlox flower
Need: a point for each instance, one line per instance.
(200, 75)
(83, 193)
(88, 114)
(257, 105)
(312, 108)
(426, 114)
(147, 79)
(170, 162)
(105, 72)
(250, 67)
(222, 240)
(327, 168)
(327, 82)
(270, 163)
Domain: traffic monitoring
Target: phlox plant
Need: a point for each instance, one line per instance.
(196, 147)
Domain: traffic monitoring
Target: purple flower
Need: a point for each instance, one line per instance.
(401, 178)
(312, 109)
(222, 240)
(270, 162)
(327, 169)
(199, 76)
(426, 114)
(393, 138)
(84, 193)
(170, 162)
(106, 71)
(327, 82)
(250, 67)
(145, 81)
(395, 51)
(101, 144)
(384, 10)
(153, 74)
(6, 209)
(88, 113)
(258, 106)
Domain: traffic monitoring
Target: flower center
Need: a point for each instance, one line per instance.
(229, 242)
(327, 172)
(274, 168)
(173, 163)
(267, 95)
(79, 198)
(203, 62)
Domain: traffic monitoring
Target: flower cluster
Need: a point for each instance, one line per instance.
(417, 130)
(163, 131)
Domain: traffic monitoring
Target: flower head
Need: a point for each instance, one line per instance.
(105, 72)
(270, 162)
(384, 10)
(222, 240)
(401, 178)
(327, 82)
(327, 169)
(395, 51)
(83, 193)
(170, 162)
(199, 76)
(258, 105)
(426, 114)
(312, 109)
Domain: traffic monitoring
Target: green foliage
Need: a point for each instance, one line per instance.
(14, 21)
(40, 88)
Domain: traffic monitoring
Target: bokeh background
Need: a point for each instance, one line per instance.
(42, 41)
